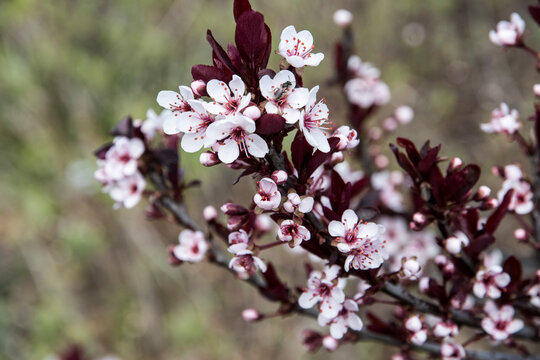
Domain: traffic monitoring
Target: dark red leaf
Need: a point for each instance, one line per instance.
(275, 289)
(300, 149)
(319, 157)
(240, 7)
(512, 266)
(479, 244)
(207, 73)
(268, 51)
(412, 153)
(494, 219)
(219, 53)
(270, 124)
(429, 160)
(459, 185)
(102, 150)
(534, 10)
(251, 38)
(123, 128)
(234, 55)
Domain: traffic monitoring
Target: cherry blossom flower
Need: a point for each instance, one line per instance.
(503, 121)
(346, 319)
(280, 176)
(303, 204)
(312, 121)
(235, 134)
(362, 69)
(323, 288)
(227, 100)
(534, 291)
(499, 323)
(455, 243)
(404, 114)
(296, 48)
(343, 17)
(244, 262)
(209, 213)
(121, 159)
(238, 240)
(154, 122)
(508, 33)
(351, 234)
(445, 329)
(268, 197)
(283, 96)
(347, 174)
(361, 288)
(452, 351)
(367, 92)
(387, 182)
(192, 247)
(194, 124)
(522, 199)
(490, 282)
(176, 102)
(293, 232)
(417, 329)
(329, 343)
(127, 192)
(251, 315)
(348, 138)
(411, 269)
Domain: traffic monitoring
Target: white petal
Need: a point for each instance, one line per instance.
(349, 219)
(167, 98)
(298, 98)
(218, 91)
(237, 86)
(295, 61)
(228, 152)
(336, 228)
(355, 322)
(192, 142)
(307, 300)
(314, 59)
(291, 115)
(338, 329)
(256, 145)
(288, 33)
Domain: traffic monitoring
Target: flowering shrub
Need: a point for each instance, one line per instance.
(421, 240)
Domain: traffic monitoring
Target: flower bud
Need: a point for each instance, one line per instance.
(233, 209)
(390, 124)
(311, 340)
(329, 343)
(413, 323)
(209, 158)
(419, 218)
(536, 89)
(483, 192)
(280, 176)
(198, 87)
(251, 315)
(209, 213)
(441, 260)
(375, 133)
(521, 234)
(343, 18)
(490, 204)
(411, 269)
(455, 163)
(404, 114)
(423, 284)
(381, 161)
(337, 157)
(252, 112)
(263, 223)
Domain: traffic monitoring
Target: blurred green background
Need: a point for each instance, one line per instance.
(72, 270)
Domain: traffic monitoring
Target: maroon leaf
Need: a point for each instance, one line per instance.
(251, 38)
(275, 289)
(102, 150)
(494, 219)
(240, 7)
(123, 128)
(534, 10)
(479, 244)
(320, 158)
(512, 266)
(270, 124)
(460, 184)
(410, 149)
(219, 53)
(300, 149)
(429, 160)
(234, 55)
(207, 73)
(268, 51)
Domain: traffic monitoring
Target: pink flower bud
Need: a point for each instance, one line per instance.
(252, 112)
(173, 260)
(411, 269)
(251, 315)
(311, 340)
(521, 234)
(209, 213)
(404, 114)
(381, 161)
(441, 260)
(423, 284)
(232, 209)
(198, 87)
(483, 192)
(329, 343)
(455, 163)
(280, 176)
(390, 124)
(490, 204)
(337, 157)
(413, 323)
(343, 18)
(375, 133)
(208, 158)
(263, 223)
(419, 218)
(536, 89)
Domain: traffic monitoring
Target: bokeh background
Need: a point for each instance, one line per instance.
(73, 271)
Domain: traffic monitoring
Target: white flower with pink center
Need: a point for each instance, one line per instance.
(244, 262)
(268, 197)
(503, 121)
(283, 96)
(387, 182)
(193, 124)
(293, 232)
(453, 351)
(177, 102)
(313, 120)
(499, 323)
(346, 319)
(127, 192)
(154, 122)
(192, 247)
(297, 48)
(508, 33)
(491, 282)
(235, 134)
(227, 100)
(350, 233)
(238, 240)
(324, 288)
(367, 92)
(362, 69)
(348, 138)
(121, 159)
(303, 204)
(522, 199)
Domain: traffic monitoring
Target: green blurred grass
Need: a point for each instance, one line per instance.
(74, 271)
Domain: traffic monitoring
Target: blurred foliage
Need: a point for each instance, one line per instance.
(75, 271)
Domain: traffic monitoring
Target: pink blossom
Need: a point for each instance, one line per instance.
(366, 92)
(329, 343)
(502, 121)
(324, 288)
(280, 176)
(244, 262)
(534, 294)
(121, 159)
(313, 120)
(154, 122)
(348, 138)
(293, 232)
(522, 198)
(490, 282)
(404, 114)
(508, 33)
(297, 48)
(127, 192)
(417, 330)
(209, 213)
(499, 323)
(346, 319)
(192, 247)
(411, 269)
(238, 240)
(208, 158)
(268, 197)
(445, 329)
(387, 182)
(283, 96)
(251, 315)
(343, 18)
(303, 204)
(227, 100)
(176, 102)
(235, 134)
(455, 243)
(453, 351)
(252, 112)
(362, 69)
